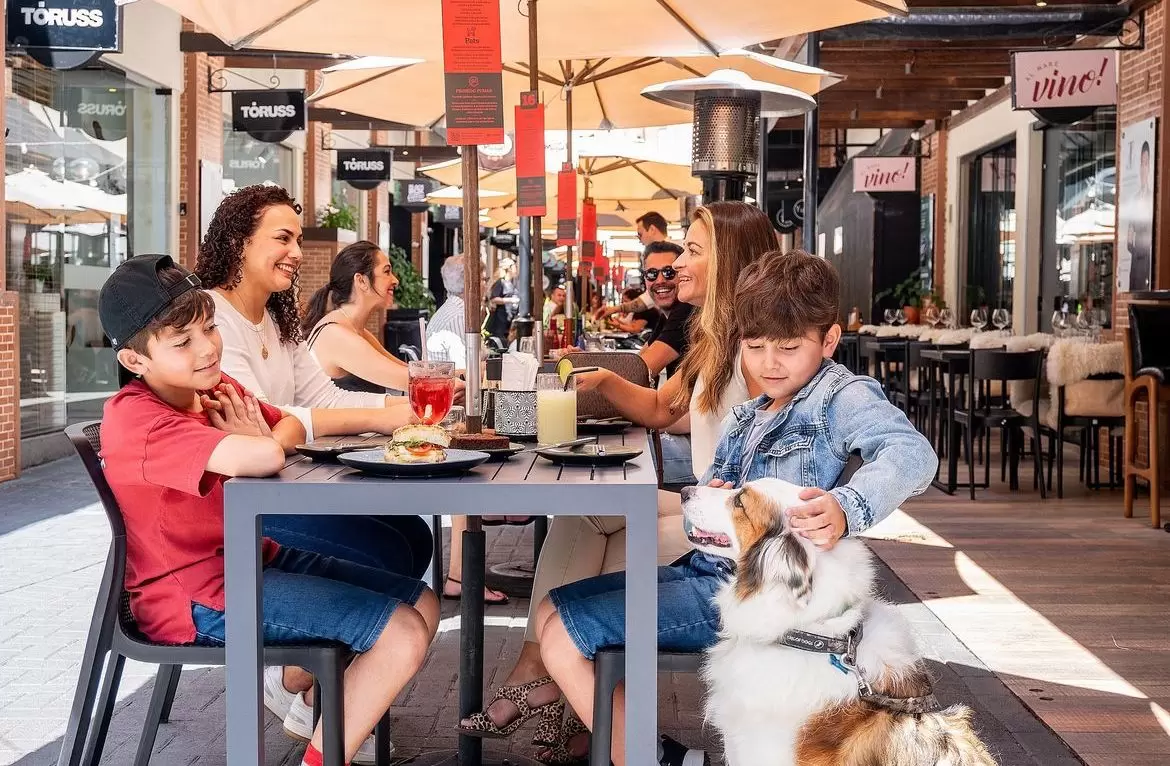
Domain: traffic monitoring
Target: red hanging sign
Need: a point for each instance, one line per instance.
(601, 266)
(567, 205)
(530, 184)
(472, 67)
(588, 221)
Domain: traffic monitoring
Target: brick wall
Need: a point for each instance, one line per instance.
(934, 181)
(9, 348)
(318, 162)
(200, 138)
(1141, 95)
(9, 387)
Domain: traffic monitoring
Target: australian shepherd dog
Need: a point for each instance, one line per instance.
(811, 669)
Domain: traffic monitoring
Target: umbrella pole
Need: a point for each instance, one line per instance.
(535, 238)
(472, 291)
(569, 297)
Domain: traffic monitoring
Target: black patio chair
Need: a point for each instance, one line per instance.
(114, 637)
(985, 409)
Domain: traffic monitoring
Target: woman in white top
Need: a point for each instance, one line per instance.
(722, 239)
(249, 260)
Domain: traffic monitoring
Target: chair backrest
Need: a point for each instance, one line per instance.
(408, 352)
(87, 441)
(631, 367)
(1149, 326)
(997, 364)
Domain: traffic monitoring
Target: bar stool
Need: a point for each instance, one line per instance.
(1147, 371)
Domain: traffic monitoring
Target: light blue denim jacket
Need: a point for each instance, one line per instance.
(835, 414)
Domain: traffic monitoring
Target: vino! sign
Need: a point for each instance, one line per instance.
(1064, 78)
(885, 174)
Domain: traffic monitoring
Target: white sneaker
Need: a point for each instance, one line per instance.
(277, 698)
(298, 724)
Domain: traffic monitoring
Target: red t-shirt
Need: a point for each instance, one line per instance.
(155, 458)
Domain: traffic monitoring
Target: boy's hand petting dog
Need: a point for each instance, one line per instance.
(821, 520)
(228, 412)
(721, 484)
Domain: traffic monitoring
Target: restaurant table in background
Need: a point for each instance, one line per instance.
(527, 484)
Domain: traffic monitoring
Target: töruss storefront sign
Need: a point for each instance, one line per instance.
(268, 115)
(1058, 79)
(88, 25)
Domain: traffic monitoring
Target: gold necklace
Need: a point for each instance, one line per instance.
(259, 330)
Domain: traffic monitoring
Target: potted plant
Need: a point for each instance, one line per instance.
(40, 274)
(909, 295)
(338, 214)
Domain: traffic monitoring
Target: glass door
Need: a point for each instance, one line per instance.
(991, 230)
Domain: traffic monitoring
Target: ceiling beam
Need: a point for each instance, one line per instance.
(863, 80)
(986, 44)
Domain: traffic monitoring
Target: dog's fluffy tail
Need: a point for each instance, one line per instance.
(945, 738)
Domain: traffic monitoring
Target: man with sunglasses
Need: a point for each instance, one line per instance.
(667, 344)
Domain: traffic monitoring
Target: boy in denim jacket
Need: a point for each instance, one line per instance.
(813, 415)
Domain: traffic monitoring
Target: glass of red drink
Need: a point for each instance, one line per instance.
(432, 389)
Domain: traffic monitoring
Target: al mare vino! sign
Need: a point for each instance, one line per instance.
(1053, 79)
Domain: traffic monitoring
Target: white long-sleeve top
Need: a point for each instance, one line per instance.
(289, 378)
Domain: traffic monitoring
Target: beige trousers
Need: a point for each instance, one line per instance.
(578, 547)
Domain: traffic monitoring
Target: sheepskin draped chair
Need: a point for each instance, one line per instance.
(1086, 395)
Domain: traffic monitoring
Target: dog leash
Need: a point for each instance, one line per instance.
(842, 653)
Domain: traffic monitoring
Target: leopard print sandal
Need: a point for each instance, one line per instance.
(481, 725)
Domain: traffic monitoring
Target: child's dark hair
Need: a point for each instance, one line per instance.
(782, 296)
(192, 306)
(358, 258)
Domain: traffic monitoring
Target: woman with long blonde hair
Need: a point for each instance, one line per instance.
(723, 238)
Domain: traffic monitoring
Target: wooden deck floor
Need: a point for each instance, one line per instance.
(1065, 600)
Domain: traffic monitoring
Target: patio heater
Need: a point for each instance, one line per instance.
(725, 138)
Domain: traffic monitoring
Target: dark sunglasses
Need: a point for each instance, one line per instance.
(668, 272)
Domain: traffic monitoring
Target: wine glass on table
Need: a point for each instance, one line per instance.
(946, 318)
(1001, 318)
(890, 315)
(979, 319)
(930, 315)
(432, 390)
(899, 317)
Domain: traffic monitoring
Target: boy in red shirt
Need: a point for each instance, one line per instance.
(170, 439)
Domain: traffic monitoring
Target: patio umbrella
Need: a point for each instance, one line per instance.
(606, 92)
(572, 29)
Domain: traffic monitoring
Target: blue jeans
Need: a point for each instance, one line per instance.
(398, 544)
(309, 597)
(676, 459)
(594, 610)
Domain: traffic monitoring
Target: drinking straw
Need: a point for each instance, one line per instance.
(422, 336)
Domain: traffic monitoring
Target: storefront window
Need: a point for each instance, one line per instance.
(87, 185)
(991, 231)
(1080, 198)
(247, 161)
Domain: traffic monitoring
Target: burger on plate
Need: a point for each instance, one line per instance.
(418, 444)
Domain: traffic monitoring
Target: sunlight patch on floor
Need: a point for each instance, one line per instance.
(900, 527)
(1012, 638)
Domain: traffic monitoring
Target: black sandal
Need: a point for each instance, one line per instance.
(501, 601)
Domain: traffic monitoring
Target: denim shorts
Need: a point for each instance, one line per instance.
(676, 460)
(309, 597)
(594, 610)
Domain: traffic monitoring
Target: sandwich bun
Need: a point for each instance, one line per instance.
(420, 432)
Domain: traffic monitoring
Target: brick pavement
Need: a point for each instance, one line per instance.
(53, 540)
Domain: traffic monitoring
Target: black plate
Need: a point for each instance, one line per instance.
(373, 461)
(500, 455)
(604, 427)
(327, 452)
(587, 455)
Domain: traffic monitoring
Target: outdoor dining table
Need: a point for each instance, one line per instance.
(526, 484)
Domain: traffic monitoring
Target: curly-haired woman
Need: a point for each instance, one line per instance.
(249, 260)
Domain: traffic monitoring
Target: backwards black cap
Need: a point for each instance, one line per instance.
(134, 295)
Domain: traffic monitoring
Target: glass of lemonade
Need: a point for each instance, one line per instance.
(556, 409)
